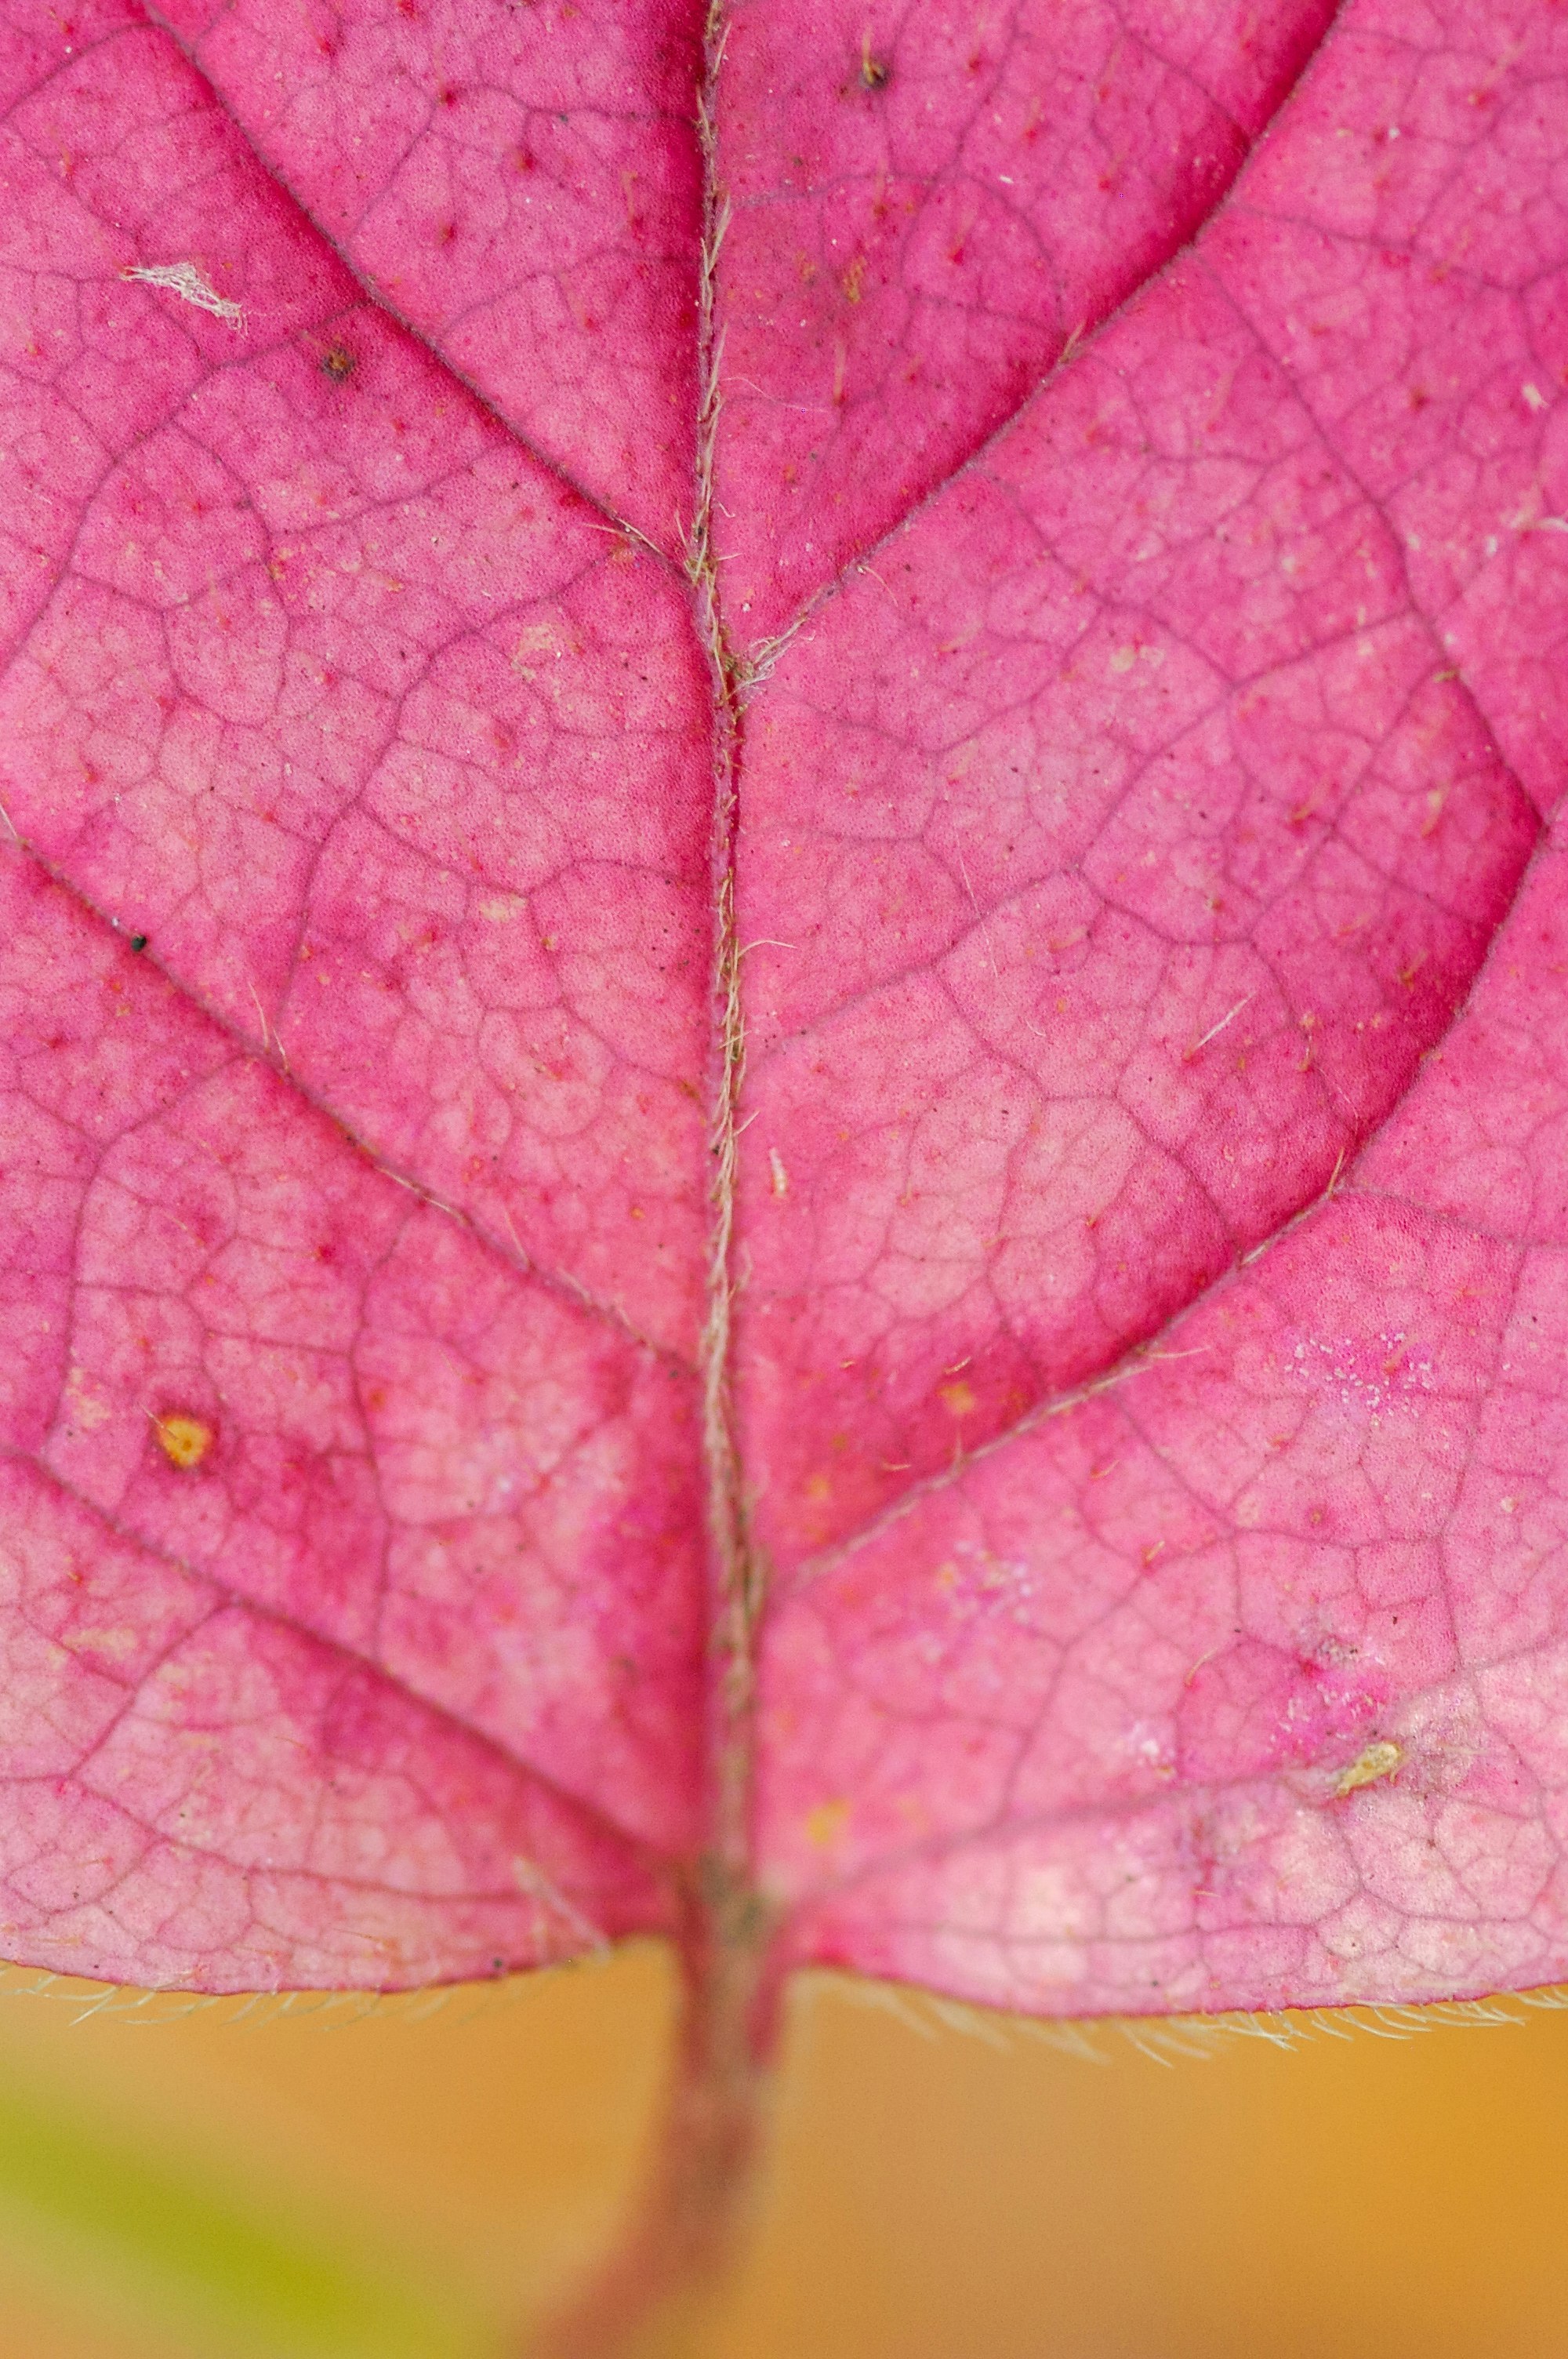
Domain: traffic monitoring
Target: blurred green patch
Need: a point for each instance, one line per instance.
(172, 2249)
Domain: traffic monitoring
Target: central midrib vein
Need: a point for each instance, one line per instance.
(734, 1586)
(682, 2233)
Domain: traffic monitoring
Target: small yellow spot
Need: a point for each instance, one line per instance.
(186, 1441)
(817, 1489)
(1379, 1760)
(824, 1824)
(959, 1399)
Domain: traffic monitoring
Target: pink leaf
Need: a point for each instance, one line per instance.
(784, 1052)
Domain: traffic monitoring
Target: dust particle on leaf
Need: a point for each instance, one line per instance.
(1378, 1760)
(184, 279)
(338, 362)
(874, 71)
(185, 1440)
(138, 942)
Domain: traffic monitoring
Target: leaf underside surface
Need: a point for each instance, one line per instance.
(783, 990)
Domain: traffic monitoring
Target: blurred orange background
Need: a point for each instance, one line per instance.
(391, 2181)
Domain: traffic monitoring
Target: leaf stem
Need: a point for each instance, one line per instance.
(661, 2285)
